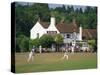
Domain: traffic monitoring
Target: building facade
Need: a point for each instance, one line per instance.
(70, 32)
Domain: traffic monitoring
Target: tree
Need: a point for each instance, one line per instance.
(27, 15)
(39, 9)
(58, 41)
(93, 44)
(34, 42)
(80, 10)
(46, 41)
(23, 43)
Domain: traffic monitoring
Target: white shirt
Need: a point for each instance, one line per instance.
(33, 49)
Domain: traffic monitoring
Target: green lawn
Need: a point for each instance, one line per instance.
(52, 62)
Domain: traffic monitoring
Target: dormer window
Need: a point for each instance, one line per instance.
(51, 32)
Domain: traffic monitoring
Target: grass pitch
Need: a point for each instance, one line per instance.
(52, 62)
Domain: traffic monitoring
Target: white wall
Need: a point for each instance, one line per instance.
(80, 33)
(52, 26)
(68, 40)
(37, 29)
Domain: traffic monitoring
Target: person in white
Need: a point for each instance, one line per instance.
(72, 47)
(65, 54)
(31, 54)
(40, 49)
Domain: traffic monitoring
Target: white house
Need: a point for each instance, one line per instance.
(52, 27)
(37, 31)
(70, 32)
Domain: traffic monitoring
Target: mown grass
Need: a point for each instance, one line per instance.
(52, 62)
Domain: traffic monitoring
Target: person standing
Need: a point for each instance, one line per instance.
(40, 49)
(66, 53)
(31, 54)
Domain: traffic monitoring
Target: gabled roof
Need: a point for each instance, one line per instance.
(89, 33)
(67, 28)
(62, 27)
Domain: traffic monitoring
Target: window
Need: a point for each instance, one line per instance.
(37, 35)
(68, 35)
(51, 32)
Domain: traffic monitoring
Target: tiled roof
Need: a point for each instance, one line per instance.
(89, 33)
(64, 27)
(71, 27)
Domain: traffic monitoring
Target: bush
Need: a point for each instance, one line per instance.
(92, 44)
(34, 42)
(58, 40)
(22, 42)
(46, 41)
(80, 44)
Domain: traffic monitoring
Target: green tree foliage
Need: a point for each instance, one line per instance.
(46, 41)
(27, 15)
(22, 42)
(93, 44)
(34, 42)
(42, 10)
(58, 40)
(24, 20)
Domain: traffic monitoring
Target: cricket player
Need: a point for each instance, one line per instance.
(65, 54)
(31, 54)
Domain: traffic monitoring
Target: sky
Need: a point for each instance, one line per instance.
(55, 5)
(60, 5)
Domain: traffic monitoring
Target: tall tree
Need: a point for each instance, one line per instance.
(58, 40)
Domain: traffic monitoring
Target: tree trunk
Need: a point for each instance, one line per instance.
(56, 47)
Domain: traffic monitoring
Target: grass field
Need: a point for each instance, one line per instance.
(52, 62)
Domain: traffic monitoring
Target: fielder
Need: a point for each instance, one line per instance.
(31, 54)
(65, 56)
(66, 53)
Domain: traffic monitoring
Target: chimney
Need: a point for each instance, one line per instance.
(80, 33)
(52, 21)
